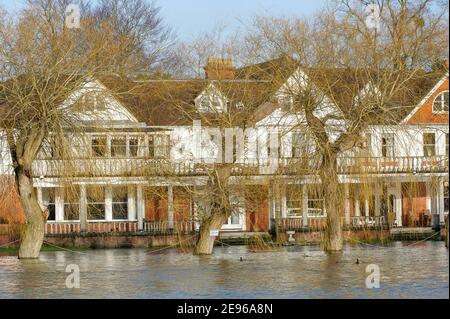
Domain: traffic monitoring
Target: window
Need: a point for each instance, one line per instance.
(98, 146)
(273, 151)
(316, 206)
(367, 205)
(210, 103)
(446, 144)
(429, 144)
(294, 200)
(368, 142)
(387, 145)
(133, 144)
(446, 197)
(440, 104)
(161, 145)
(72, 203)
(118, 146)
(297, 144)
(120, 203)
(95, 203)
(93, 100)
(48, 199)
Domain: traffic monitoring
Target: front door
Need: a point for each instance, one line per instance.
(394, 206)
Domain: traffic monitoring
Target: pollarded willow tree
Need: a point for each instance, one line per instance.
(44, 61)
(351, 70)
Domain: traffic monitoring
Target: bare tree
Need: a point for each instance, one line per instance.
(350, 73)
(44, 62)
(145, 36)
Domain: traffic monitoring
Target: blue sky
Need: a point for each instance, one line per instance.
(191, 17)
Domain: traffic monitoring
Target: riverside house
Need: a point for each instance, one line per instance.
(134, 165)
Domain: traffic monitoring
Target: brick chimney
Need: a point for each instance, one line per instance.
(219, 69)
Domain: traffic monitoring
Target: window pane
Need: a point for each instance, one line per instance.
(429, 144)
(120, 202)
(441, 102)
(294, 200)
(95, 202)
(297, 144)
(387, 145)
(133, 146)
(446, 144)
(72, 203)
(118, 147)
(48, 199)
(446, 197)
(99, 146)
(151, 147)
(161, 146)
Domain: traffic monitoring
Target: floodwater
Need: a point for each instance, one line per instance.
(406, 271)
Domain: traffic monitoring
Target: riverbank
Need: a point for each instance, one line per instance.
(262, 239)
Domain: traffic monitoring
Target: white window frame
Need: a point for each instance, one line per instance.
(428, 145)
(392, 145)
(440, 96)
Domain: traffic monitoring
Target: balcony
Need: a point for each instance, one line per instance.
(135, 167)
(382, 165)
(112, 167)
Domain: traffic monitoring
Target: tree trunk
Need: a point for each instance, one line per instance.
(33, 236)
(333, 205)
(219, 197)
(205, 242)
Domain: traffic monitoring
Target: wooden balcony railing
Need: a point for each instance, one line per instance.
(111, 167)
(153, 227)
(69, 227)
(405, 164)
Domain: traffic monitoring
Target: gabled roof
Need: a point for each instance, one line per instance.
(426, 97)
(171, 102)
(341, 86)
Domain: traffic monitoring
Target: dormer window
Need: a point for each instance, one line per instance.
(90, 101)
(211, 100)
(210, 103)
(440, 104)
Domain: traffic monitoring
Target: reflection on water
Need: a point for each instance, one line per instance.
(418, 271)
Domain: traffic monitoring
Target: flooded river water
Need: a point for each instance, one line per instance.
(406, 271)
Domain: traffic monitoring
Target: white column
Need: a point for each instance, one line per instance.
(170, 210)
(283, 201)
(140, 207)
(347, 204)
(398, 203)
(440, 198)
(377, 199)
(366, 206)
(131, 202)
(305, 204)
(428, 196)
(83, 208)
(357, 208)
(39, 197)
(108, 203)
(59, 204)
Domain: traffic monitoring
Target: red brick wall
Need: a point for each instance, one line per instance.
(11, 210)
(155, 203)
(425, 115)
(413, 202)
(182, 204)
(257, 208)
